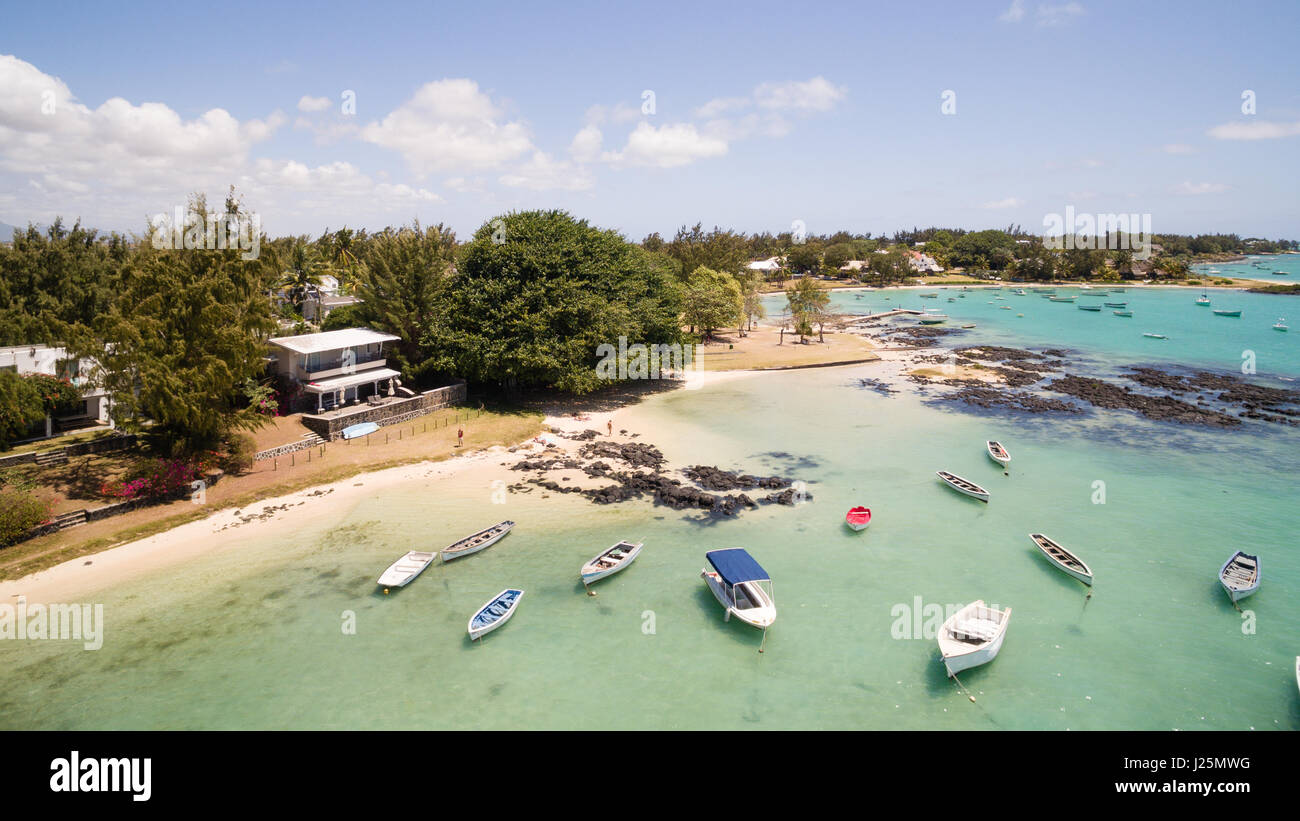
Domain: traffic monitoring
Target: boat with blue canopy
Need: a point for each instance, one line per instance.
(495, 613)
(741, 586)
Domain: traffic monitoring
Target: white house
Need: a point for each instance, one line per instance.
(94, 407)
(335, 367)
(923, 263)
(319, 305)
(765, 265)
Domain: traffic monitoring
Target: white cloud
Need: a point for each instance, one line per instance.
(1178, 148)
(722, 105)
(449, 125)
(1057, 15)
(1009, 202)
(666, 146)
(307, 103)
(817, 94)
(541, 173)
(619, 113)
(1254, 130)
(1195, 189)
(1044, 15)
(586, 144)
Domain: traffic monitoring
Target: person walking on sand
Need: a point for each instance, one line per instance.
(460, 436)
(610, 424)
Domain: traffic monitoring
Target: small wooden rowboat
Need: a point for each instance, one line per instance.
(495, 613)
(403, 571)
(610, 561)
(1240, 575)
(1062, 558)
(961, 485)
(973, 636)
(1089, 307)
(998, 453)
(477, 541)
(1225, 312)
(1122, 313)
(858, 517)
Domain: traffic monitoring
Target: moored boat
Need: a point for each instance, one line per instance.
(1062, 298)
(1203, 301)
(1093, 308)
(1155, 336)
(477, 541)
(1122, 313)
(1062, 558)
(1280, 325)
(1226, 312)
(610, 561)
(741, 586)
(932, 319)
(403, 571)
(961, 485)
(972, 636)
(858, 517)
(1115, 304)
(997, 453)
(496, 612)
(1240, 575)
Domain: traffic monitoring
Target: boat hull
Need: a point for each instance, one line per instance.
(858, 518)
(449, 555)
(1238, 593)
(1084, 575)
(955, 662)
(478, 631)
(977, 493)
(410, 568)
(590, 573)
(760, 617)
(1003, 458)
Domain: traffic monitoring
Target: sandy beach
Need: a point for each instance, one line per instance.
(230, 528)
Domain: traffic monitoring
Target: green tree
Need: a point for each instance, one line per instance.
(535, 295)
(21, 408)
(182, 338)
(807, 303)
(712, 300)
(401, 287)
(805, 258)
(301, 279)
(723, 251)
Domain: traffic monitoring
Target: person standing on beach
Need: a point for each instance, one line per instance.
(610, 424)
(460, 436)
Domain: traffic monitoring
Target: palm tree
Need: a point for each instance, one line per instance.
(345, 247)
(301, 279)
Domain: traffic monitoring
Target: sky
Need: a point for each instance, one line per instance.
(867, 117)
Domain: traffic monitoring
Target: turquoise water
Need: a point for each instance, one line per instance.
(1268, 263)
(1196, 336)
(252, 638)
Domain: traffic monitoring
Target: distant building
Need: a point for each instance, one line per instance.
(94, 407)
(923, 263)
(333, 368)
(765, 265)
(318, 306)
(854, 265)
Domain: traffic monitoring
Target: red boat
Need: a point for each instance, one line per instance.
(858, 518)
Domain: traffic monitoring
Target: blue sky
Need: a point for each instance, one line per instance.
(764, 113)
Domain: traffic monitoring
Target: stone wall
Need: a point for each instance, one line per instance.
(331, 428)
(107, 443)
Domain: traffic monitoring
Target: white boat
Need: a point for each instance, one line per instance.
(998, 453)
(1240, 575)
(610, 561)
(403, 571)
(496, 612)
(477, 541)
(1155, 336)
(738, 583)
(1203, 301)
(932, 319)
(1281, 324)
(1062, 558)
(963, 485)
(972, 636)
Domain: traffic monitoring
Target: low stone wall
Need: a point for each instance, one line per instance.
(330, 428)
(285, 450)
(108, 443)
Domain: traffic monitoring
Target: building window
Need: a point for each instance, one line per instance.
(67, 368)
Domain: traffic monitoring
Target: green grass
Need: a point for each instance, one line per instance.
(59, 442)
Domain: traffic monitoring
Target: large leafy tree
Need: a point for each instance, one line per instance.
(182, 342)
(712, 299)
(401, 285)
(535, 293)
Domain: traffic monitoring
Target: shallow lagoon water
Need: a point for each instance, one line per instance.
(251, 637)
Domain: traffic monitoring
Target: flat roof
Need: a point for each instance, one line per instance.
(331, 340)
(338, 383)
